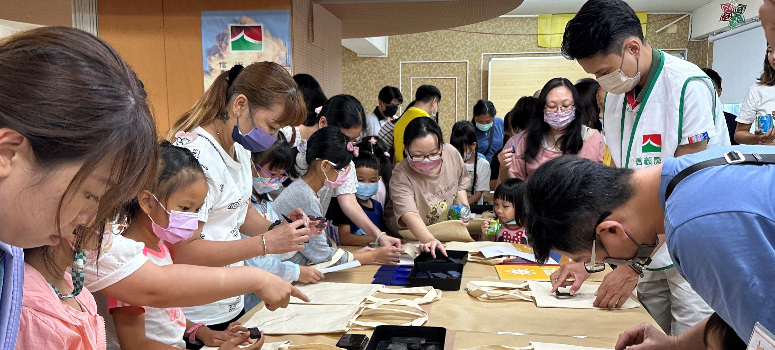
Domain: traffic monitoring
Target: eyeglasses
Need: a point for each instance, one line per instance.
(555, 109)
(274, 178)
(593, 265)
(430, 157)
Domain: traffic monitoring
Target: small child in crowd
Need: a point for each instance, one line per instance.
(367, 168)
(166, 213)
(271, 169)
(378, 148)
(463, 138)
(328, 162)
(508, 210)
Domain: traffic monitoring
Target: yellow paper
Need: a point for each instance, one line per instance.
(552, 27)
(525, 272)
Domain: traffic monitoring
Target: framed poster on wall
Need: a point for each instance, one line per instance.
(244, 37)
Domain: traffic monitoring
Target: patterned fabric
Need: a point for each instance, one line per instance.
(79, 263)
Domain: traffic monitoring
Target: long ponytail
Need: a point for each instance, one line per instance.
(264, 84)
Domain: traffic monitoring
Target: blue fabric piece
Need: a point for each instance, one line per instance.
(720, 229)
(284, 269)
(483, 138)
(12, 266)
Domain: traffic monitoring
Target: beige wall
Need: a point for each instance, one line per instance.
(43, 12)
(161, 40)
(467, 55)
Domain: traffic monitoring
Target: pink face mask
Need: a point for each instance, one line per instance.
(425, 166)
(560, 120)
(341, 177)
(182, 225)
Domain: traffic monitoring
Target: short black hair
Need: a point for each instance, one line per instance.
(344, 112)
(586, 106)
(564, 199)
(329, 144)
(513, 191)
(725, 335)
(523, 112)
(713, 76)
(177, 167)
(313, 96)
(366, 160)
(278, 156)
(484, 107)
(600, 27)
(421, 127)
(379, 149)
(427, 93)
(388, 93)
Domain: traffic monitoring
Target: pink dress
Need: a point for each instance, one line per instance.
(593, 149)
(48, 323)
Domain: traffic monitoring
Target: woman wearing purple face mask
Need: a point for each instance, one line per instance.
(557, 129)
(240, 113)
(431, 179)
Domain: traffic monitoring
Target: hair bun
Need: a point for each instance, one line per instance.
(234, 72)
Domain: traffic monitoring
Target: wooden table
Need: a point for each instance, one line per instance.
(472, 322)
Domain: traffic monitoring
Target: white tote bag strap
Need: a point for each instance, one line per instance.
(486, 290)
(376, 304)
(429, 294)
(334, 259)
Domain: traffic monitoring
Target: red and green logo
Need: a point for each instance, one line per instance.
(246, 38)
(652, 143)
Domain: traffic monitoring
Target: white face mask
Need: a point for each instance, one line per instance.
(619, 83)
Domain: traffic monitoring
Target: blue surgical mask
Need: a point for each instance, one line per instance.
(484, 127)
(366, 191)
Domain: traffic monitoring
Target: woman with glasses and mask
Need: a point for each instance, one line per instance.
(557, 129)
(431, 179)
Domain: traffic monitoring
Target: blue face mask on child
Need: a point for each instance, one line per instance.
(366, 191)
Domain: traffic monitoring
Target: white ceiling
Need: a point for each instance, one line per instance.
(534, 7)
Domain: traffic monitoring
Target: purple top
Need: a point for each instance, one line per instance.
(11, 284)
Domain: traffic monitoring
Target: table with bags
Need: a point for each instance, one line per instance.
(507, 317)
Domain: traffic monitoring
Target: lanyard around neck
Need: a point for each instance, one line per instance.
(642, 106)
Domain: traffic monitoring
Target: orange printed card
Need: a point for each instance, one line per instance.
(525, 272)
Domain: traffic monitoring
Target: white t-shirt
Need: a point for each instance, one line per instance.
(372, 125)
(162, 325)
(224, 210)
(759, 101)
(482, 177)
(678, 111)
(289, 132)
(120, 258)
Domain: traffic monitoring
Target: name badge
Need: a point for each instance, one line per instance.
(761, 339)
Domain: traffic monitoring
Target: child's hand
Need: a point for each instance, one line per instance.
(242, 339)
(309, 275)
(388, 255)
(485, 225)
(277, 293)
(217, 338)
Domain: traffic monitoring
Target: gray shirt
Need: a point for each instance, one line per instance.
(299, 195)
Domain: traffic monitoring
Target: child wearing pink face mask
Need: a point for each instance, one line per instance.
(166, 213)
(329, 163)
